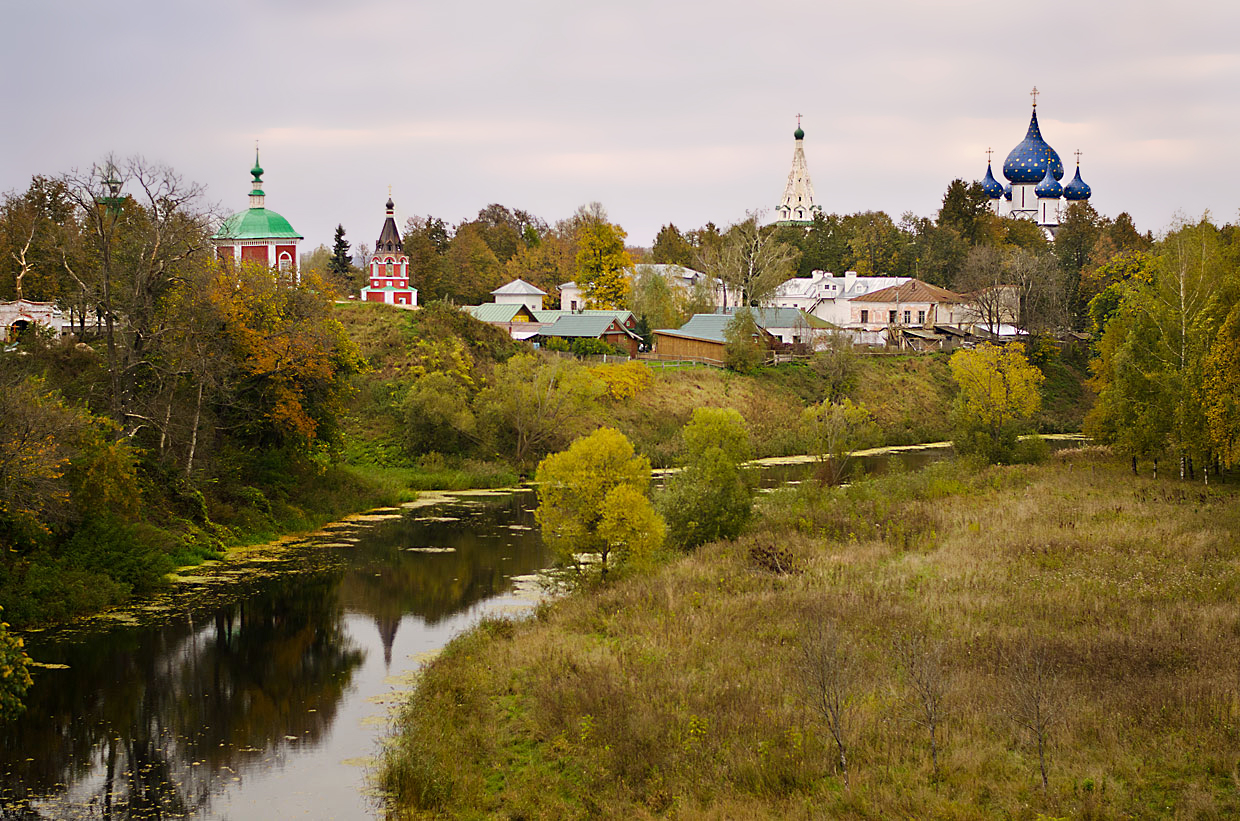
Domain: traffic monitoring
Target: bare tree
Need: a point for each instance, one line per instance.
(928, 681)
(1031, 701)
(1042, 288)
(750, 261)
(827, 670)
(983, 281)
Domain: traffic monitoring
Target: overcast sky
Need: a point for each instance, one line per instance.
(664, 111)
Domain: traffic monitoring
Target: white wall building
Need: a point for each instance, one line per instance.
(520, 292)
(827, 296)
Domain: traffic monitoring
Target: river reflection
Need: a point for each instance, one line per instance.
(237, 708)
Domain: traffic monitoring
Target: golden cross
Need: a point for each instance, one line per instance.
(1034, 94)
(1078, 156)
(989, 152)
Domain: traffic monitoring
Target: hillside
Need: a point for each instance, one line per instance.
(909, 396)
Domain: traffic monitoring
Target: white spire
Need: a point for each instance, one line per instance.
(798, 203)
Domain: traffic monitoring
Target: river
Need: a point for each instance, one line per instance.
(262, 688)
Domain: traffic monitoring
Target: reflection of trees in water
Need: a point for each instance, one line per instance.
(387, 581)
(180, 710)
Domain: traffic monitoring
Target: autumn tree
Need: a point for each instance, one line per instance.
(744, 342)
(592, 500)
(532, 405)
(966, 210)
(832, 431)
(662, 303)
(603, 264)
(998, 394)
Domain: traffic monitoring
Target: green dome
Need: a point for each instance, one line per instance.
(799, 134)
(256, 223)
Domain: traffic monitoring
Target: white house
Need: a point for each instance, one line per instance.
(520, 292)
(18, 315)
(827, 296)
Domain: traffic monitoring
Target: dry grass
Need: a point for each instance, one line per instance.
(677, 694)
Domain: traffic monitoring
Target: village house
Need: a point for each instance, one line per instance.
(827, 296)
(574, 326)
(701, 339)
(911, 305)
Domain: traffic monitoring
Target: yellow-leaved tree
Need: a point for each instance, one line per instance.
(998, 396)
(592, 501)
(603, 264)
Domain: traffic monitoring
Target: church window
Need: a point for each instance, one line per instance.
(286, 261)
(388, 268)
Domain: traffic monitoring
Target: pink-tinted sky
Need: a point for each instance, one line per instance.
(663, 111)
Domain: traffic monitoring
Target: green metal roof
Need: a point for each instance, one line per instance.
(492, 312)
(256, 223)
(582, 325)
(549, 316)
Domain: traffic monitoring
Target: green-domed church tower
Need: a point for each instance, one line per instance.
(258, 234)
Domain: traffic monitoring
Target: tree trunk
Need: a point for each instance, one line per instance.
(193, 438)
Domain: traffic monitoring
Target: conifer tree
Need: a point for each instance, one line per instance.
(340, 264)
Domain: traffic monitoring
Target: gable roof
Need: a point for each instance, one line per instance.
(912, 291)
(707, 327)
(519, 287)
(549, 316)
(590, 326)
(492, 312)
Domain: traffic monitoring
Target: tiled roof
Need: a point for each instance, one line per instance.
(912, 291)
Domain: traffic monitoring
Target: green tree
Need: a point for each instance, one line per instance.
(965, 209)
(832, 431)
(873, 242)
(603, 264)
(744, 349)
(653, 298)
(592, 500)
(340, 266)
(710, 498)
(672, 248)
(998, 394)
(470, 268)
(836, 364)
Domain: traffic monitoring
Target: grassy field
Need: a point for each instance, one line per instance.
(1067, 618)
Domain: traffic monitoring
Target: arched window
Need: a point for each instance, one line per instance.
(286, 261)
(388, 267)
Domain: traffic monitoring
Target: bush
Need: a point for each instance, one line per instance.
(707, 501)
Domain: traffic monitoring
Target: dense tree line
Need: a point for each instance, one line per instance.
(188, 392)
(1167, 371)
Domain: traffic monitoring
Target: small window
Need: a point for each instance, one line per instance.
(388, 268)
(891, 317)
(908, 317)
(865, 316)
(921, 317)
(286, 261)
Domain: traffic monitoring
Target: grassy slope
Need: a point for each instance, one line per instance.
(910, 396)
(679, 694)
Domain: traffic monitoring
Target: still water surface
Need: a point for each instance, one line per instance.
(263, 691)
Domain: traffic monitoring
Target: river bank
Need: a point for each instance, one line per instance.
(1107, 599)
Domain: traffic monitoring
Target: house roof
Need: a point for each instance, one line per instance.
(591, 326)
(519, 287)
(492, 312)
(707, 327)
(552, 315)
(912, 291)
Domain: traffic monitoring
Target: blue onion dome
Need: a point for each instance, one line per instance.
(1049, 187)
(1007, 192)
(1030, 160)
(1076, 190)
(990, 185)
